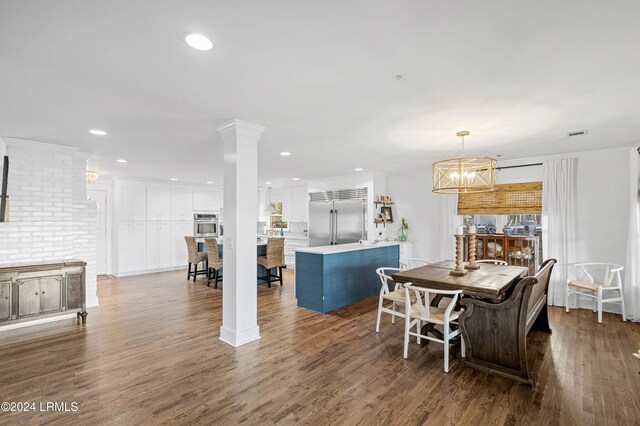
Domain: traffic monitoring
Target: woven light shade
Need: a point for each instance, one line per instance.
(92, 176)
(464, 175)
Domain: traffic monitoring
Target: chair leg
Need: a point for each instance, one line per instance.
(216, 276)
(462, 346)
(407, 327)
(379, 315)
(595, 304)
(189, 272)
(195, 272)
(600, 305)
(446, 347)
(566, 297)
(269, 278)
(624, 315)
(419, 330)
(393, 316)
(208, 277)
(280, 268)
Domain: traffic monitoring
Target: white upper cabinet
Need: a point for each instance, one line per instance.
(158, 203)
(262, 204)
(300, 203)
(181, 205)
(295, 208)
(132, 203)
(282, 195)
(207, 201)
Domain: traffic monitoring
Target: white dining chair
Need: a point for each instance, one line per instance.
(390, 292)
(413, 262)
(493, 262)
(420, 311)
(596, 280)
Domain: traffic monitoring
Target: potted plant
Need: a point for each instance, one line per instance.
(403, 230)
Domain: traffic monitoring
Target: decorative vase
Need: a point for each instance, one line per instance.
(403, 233)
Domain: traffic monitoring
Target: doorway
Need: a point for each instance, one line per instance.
(100, 197)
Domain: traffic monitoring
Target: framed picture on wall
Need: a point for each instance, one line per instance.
(386, 213)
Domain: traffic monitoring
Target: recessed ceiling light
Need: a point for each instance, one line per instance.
(209, 183)
(199, 42)
(121, 160)
(358, 169)
(267, 183)
(97, 132)
(174, 179)
(285, 153)
(296, 178)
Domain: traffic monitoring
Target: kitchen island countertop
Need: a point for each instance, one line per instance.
(342, 248)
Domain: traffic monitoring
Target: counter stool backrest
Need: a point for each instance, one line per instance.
(275, 252)
(192, 249)
(212, 250)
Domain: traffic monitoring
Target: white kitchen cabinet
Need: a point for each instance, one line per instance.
(207, 201)
(406, 250)
(282, 195)
(300, 204)
(132, 203)
(132, 247)
(158, 203)
(158, 245)
(290, 245)
(263, 194)
(181, 205)
(179, 255)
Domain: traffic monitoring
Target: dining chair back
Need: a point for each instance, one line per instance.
(419, 310)
(390, 292)
(413, 262)
(493, 262)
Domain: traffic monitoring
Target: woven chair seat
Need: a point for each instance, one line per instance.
(269, 262)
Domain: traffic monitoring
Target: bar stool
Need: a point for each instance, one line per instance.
(214, 261)
(273, 259)
(195, 257)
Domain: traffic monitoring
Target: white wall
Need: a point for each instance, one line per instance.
(602, 214)
(49, 216)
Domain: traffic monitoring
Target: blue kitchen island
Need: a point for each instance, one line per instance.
(329, 277)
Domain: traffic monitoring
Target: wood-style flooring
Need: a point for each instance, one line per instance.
(150, 354)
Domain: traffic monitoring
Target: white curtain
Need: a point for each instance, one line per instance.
(558, 227)
(449, 221)
(632, 270)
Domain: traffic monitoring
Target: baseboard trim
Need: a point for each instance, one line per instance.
(150, 271)
(239, 338)
(37, 321)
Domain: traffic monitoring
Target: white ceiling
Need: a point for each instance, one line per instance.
(320, 75)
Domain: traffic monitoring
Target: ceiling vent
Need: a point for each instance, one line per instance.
(578, 133)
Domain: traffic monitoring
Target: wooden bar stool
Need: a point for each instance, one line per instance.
(214, 261)
(273, 259)
(195, 257)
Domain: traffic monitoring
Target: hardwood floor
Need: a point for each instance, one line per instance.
(150, 354)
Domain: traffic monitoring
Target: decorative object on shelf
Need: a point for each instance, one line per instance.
(386, 213)
(464, 174)
(384, 199)
(92, 176)
(490, 228)
(472, 249)
(459, 270)
(403, 230)
(269, 209)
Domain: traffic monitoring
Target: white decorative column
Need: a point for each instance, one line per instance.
(239, 288)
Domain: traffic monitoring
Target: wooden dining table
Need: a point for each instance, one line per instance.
(491, 283)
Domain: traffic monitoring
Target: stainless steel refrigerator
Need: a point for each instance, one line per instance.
(337, 217)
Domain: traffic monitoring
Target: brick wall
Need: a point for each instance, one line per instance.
(49, 215)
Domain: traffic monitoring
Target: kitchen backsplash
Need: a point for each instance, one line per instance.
(294, 227)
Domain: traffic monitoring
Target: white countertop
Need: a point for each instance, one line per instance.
(342, 248)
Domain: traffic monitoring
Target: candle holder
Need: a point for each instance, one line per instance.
(459, 270)
(472, 266)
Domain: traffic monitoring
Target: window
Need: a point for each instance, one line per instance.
(275, 220)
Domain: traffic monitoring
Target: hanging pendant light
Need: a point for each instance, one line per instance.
(91, 176)
(464, 174)
(269, 208)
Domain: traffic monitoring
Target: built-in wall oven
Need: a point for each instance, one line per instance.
(205, 225)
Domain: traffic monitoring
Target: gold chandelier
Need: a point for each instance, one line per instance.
(464, 174)
(92, 176)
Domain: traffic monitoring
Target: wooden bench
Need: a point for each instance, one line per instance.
(496, 333)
